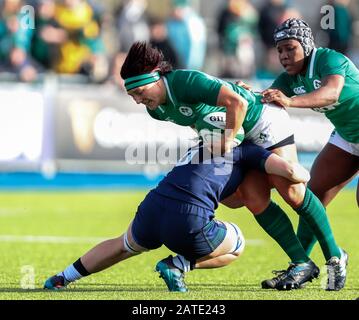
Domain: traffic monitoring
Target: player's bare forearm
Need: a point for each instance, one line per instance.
(236, 109)
(291, 171)
(328, 94)
(319, 98)
(236, 112)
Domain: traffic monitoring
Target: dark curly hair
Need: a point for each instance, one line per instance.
(143, 58)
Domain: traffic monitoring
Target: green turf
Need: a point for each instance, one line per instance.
(104, 214)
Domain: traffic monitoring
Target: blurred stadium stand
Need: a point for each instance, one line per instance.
(85, 128)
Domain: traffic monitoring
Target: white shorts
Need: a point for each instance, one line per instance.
(272, 127)
(337, 140)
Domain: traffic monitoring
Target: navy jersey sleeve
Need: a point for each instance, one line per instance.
(253, 156)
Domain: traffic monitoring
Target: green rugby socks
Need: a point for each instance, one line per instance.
(306, 236)
(315, 216)
(277, 224)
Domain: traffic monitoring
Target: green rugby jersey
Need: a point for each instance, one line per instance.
(191, 95)
(324, 62)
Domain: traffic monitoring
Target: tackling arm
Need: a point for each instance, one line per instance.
(236, 111)
(281, 167)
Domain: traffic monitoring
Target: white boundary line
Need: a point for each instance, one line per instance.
(49, 239)
(64, 239)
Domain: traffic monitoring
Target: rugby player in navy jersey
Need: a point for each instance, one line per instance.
(180, 214)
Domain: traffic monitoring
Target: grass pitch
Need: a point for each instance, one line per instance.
(43, 232)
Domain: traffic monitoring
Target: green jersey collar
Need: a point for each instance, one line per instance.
(169, 94)
(311, 66)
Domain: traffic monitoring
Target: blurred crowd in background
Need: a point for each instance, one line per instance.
(226, 38)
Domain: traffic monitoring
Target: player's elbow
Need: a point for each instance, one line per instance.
(332, 96)
(243, 105)
(239, 105)
(298, 174)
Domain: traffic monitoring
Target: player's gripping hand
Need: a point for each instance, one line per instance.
(276, 96)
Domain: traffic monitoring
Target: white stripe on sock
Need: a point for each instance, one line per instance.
(181, 263)
(71, 274)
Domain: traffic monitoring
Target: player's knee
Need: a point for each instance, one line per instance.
(238, 241)
(233, 202)
(255, 202)
(130, 246)
(321, 193)
(295, 195)
(257, 206)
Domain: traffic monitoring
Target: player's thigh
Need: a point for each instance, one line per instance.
(288, 152)
(150, 212)
(292, 193)
(332, 170)
(358, 193)
(233, 201)
(254, 191)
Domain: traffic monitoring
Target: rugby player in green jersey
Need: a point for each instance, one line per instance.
(328, 82)
(188, 97)
(325, 81)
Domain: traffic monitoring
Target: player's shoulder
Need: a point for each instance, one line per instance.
(282, 81)
(284, 76)
(325, 54)
(322, 51)
(184, 74)
(186, 83)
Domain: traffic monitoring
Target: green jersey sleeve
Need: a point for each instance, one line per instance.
(282, 84)
(195, 87)
(153, 114)
(333, 63)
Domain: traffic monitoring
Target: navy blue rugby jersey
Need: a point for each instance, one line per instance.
(201, 179)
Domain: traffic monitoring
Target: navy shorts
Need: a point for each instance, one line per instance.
(184, 228)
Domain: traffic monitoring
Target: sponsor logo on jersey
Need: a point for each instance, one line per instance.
(263, 137)
(216, 119)
(317, 84)
(186, 111)
(169, 119)
(326, 108)
(299, 90)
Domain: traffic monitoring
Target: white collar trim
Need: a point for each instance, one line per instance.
(311, 67)
(168, 90)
